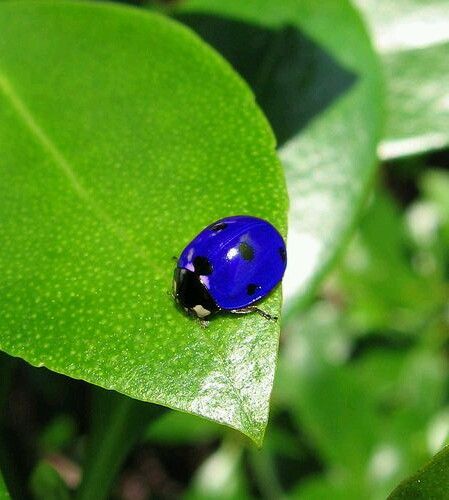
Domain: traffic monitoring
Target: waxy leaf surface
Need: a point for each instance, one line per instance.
(412, 37)
(122, 135)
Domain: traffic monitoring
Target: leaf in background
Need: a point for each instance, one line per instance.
(47, 484)
(435, 185)
(329, 487)
(122, 135)
(322, 392)
(366, 407)
(117, 424)
(57, 434)
(372, 400)
(432, 481)
(316, 77)
(221, 475)
(345, 357)
(4, 495)
(374, 299)
(175, 427)
(413, 39)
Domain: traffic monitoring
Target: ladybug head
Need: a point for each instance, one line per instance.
(191, 294)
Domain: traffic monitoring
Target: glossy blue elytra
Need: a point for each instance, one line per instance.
(229, 266)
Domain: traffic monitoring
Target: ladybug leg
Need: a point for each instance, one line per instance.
(264, 314)
(203, 322)
(250, 309)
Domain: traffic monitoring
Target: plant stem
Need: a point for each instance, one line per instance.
(117, 424)
(9, 472)
(265, 474)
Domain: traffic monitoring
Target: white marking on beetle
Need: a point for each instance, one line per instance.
(200, 311)
(190, 267)
(232, 252)
(205, 281)
(190, 254)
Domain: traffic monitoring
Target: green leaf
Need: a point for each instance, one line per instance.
(318, 385)
(117, 424)
(413, 39)
(430, 220)
(372, 411)
(47, 484)
(4, 495)
(265, 472)
(432, 481)
(58, 434)
(375, 301)
(175, 428)
(327, 487)
(221, 475)
(315, 75)
(435, 185)
(122, 135)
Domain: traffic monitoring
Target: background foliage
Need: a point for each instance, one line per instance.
(360, 395)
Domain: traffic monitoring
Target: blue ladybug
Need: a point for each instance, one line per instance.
(229, 266)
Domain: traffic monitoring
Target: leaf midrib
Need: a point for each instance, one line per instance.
(63, 164)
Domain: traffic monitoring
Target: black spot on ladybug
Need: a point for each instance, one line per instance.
(202, 266)
(283, 254)
(251, 289)
(246, 251)
(219, 227)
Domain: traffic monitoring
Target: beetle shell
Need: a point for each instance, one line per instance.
(238, 260)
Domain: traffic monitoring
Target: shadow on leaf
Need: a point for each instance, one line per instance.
(293, 78)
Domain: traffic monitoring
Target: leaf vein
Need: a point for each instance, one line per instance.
(63, 164)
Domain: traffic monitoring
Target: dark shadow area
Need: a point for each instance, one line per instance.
(298, 462)
(292, 77)
(161, 471)
(378, 341)
(32, 398)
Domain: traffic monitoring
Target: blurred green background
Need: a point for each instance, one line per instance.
(360, 400)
